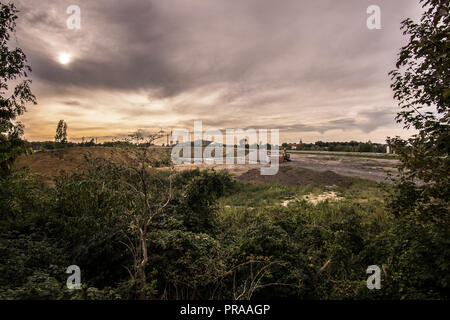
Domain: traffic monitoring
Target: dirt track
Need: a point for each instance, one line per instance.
(292, 176)
(329, 165)
(367, 168)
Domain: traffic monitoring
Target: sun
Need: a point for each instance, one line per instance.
(64, 58)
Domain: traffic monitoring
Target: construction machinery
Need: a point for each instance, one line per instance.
(285, 157)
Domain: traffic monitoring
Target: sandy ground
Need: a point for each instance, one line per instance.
(316, 199)
(360, 167)
(50, 164)
(367, 168)
(326, 196)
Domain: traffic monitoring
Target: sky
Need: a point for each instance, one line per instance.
(312, 69)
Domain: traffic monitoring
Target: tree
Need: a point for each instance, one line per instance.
(61, 132)
(419, 248)
(421, 84)
(148, 196)
(13, 67)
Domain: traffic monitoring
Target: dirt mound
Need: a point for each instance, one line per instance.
(53, 163)
(291, 176)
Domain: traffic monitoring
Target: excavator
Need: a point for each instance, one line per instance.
(285, 157)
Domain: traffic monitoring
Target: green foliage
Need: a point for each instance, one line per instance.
(199, 191)
(419, 247)
(352, 146)
(421, 84)
(61, 132)
(268, 251)
(83, 221)
(139, 232)
(13, 68)
(418, 259)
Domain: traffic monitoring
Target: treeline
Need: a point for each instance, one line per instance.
(352, 146)
(52, 145)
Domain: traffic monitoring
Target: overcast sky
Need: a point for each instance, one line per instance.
(311, 68)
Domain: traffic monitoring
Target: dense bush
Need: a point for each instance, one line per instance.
(201, 250)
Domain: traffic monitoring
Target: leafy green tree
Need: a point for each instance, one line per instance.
(13, 101)
(419, 249)
(199, 191)
(421, 84)
(61, 132)
(148, 196)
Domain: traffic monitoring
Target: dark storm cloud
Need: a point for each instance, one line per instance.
(178, 45)
(366, 121)
(72, 103)
(118, 47)
(264, 57)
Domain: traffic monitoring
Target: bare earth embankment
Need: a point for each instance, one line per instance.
(362, 167)
(323, 168)
(303, 169)
(50, 164)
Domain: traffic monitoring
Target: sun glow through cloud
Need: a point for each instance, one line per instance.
(265, 69)
(64, 58)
